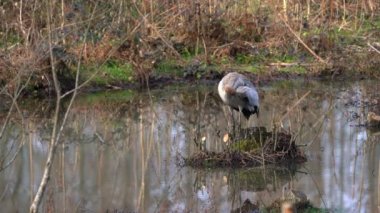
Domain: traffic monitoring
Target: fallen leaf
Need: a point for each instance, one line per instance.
(226, 137)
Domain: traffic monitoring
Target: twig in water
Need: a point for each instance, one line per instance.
(294, 105)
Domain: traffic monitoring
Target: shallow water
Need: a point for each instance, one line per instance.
(120, 149)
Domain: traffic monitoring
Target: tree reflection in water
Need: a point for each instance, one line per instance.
(118, 151)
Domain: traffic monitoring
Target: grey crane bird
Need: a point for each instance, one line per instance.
(239, 93)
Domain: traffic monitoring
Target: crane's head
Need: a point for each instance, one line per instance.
(251, 99)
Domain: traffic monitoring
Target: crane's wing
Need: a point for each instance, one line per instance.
(243, 82)
(242, 93)
(235, 80)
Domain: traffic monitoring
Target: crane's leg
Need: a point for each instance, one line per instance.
(240, 112)
(241, 133)
(239, 128)
(233, 120)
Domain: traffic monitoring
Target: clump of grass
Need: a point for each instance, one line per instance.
(293, 69)
(112, 72)
(117, 71)
(168, 67)
(252, 147)
(256, 69)
(246, 145)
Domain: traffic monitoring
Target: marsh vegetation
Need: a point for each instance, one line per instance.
(120, 43)
(99, 98)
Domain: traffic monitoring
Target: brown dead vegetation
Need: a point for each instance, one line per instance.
(144, 33)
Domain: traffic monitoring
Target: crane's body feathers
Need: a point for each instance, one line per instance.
(239, 93)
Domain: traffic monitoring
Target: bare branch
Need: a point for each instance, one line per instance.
(374, 48)
(50, 158)
(301, 41)
(56, 135)
(97, 71)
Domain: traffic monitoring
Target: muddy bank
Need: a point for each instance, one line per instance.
(183, 41)
(210, 76)
(357, 60)
(31, 66)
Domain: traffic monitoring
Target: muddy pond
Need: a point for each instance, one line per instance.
(119, 150)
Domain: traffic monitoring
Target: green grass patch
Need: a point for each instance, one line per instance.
(9, 39)
(250, 59)
(188, 53)
(368, 25)
(351, 33)
(343, 36)
(256, 69)
(293, 69)
(117, 71)
(287, 58)
(108, 73)
(245, 145)
(168, 67)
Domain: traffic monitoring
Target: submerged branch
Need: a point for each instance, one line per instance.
(293, 106)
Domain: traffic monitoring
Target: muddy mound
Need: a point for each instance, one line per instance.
(250, 147)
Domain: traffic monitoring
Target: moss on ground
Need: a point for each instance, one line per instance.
(245, 145)
(296, 69)
(110, 72)
(168, 67)
(12, 39)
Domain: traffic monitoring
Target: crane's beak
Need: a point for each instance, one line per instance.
(257, 111)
